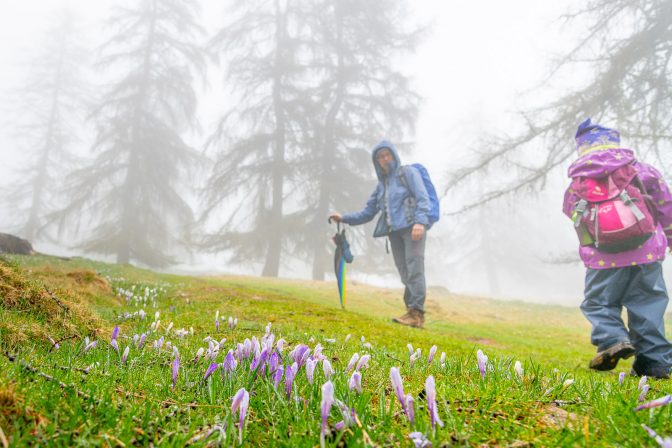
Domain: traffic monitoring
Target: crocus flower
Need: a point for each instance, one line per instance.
(482, 362)
(135, 338)
(621, 377)
(300, 354)
(398, 386)
(170, 327)
(310, 369)
(340, 426)
(210, 370)
(280, 345)
(432, 407)
(432, 353)
(230, 322)
(273, 362)
(518, 368)
(665, 443)
(327, 369)
(642, 382)
(642, 395)
(356, 382)
(353, 362)
(268, 328)
(141, 341)
(199, 353)
(443, 359)
(124, 356)
(363, 362)
(114, 345)
(240, 403)
(230, 363)
(419, 440)
(277, 376)
(90, 345)
(317, 352)
(176, 368)
(658, 402)
(217, 320)
(347, 338)
(410, 408)
(410, 348)
(115, 332)
(325, 407)
(414, 357)
(289, 378)
(368, 345)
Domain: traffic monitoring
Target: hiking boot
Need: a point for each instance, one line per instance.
(640, 368)
(608, 358)
(414, 318)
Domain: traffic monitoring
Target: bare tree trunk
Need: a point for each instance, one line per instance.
(272, 264)
(320, 255)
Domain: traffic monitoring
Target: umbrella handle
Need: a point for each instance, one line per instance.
(338, 225)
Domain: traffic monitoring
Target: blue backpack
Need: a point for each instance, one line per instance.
(434, 212)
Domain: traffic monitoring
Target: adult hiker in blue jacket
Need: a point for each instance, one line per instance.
(402, 199)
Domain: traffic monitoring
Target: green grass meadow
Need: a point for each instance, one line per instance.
(75, 397)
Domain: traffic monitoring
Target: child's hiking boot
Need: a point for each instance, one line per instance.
(641, 368)
(414, 318)
(608, 358)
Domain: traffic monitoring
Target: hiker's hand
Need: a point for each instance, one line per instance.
(336, 217)
(417, 232)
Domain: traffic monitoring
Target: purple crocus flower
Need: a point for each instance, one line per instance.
(230, 322)
(658, 402)
(289, 378)
(90, 345)
(273, 362)
(124, 356)
(398, 386)
(340, 426)
(432, 407)
(327, 369)
(353, 362)
(482, 362)
(230, 363)
(363, 362)
(410, 348)
(176, 368)
(621, 377)
(259, 361)
(310, 369)
(141, 341)
(325, 407)
(665, 443)
(114, 345)
(410, 408)
(210, 370)
(642, 395)
(277, 376)
(432, 352)
(115, 333)
(419, 440)
(356, 382)
(642, 382)
(241, 402)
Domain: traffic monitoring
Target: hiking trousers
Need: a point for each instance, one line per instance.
(641, 290)
(409, 257)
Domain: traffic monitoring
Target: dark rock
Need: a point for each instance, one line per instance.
(10, 244)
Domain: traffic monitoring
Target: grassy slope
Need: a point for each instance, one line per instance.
(135, 403)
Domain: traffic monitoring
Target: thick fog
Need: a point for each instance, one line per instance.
(203, 175)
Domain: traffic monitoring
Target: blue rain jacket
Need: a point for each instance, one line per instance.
(401, 207)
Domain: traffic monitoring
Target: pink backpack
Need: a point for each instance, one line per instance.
(614, 212)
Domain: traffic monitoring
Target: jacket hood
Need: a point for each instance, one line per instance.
(384, 144)
(601, 163)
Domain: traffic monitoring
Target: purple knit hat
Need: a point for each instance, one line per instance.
(593, 137)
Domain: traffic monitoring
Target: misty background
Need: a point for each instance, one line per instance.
(216, 136)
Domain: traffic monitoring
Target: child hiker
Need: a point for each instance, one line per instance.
(403, 199)
(622, 212)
